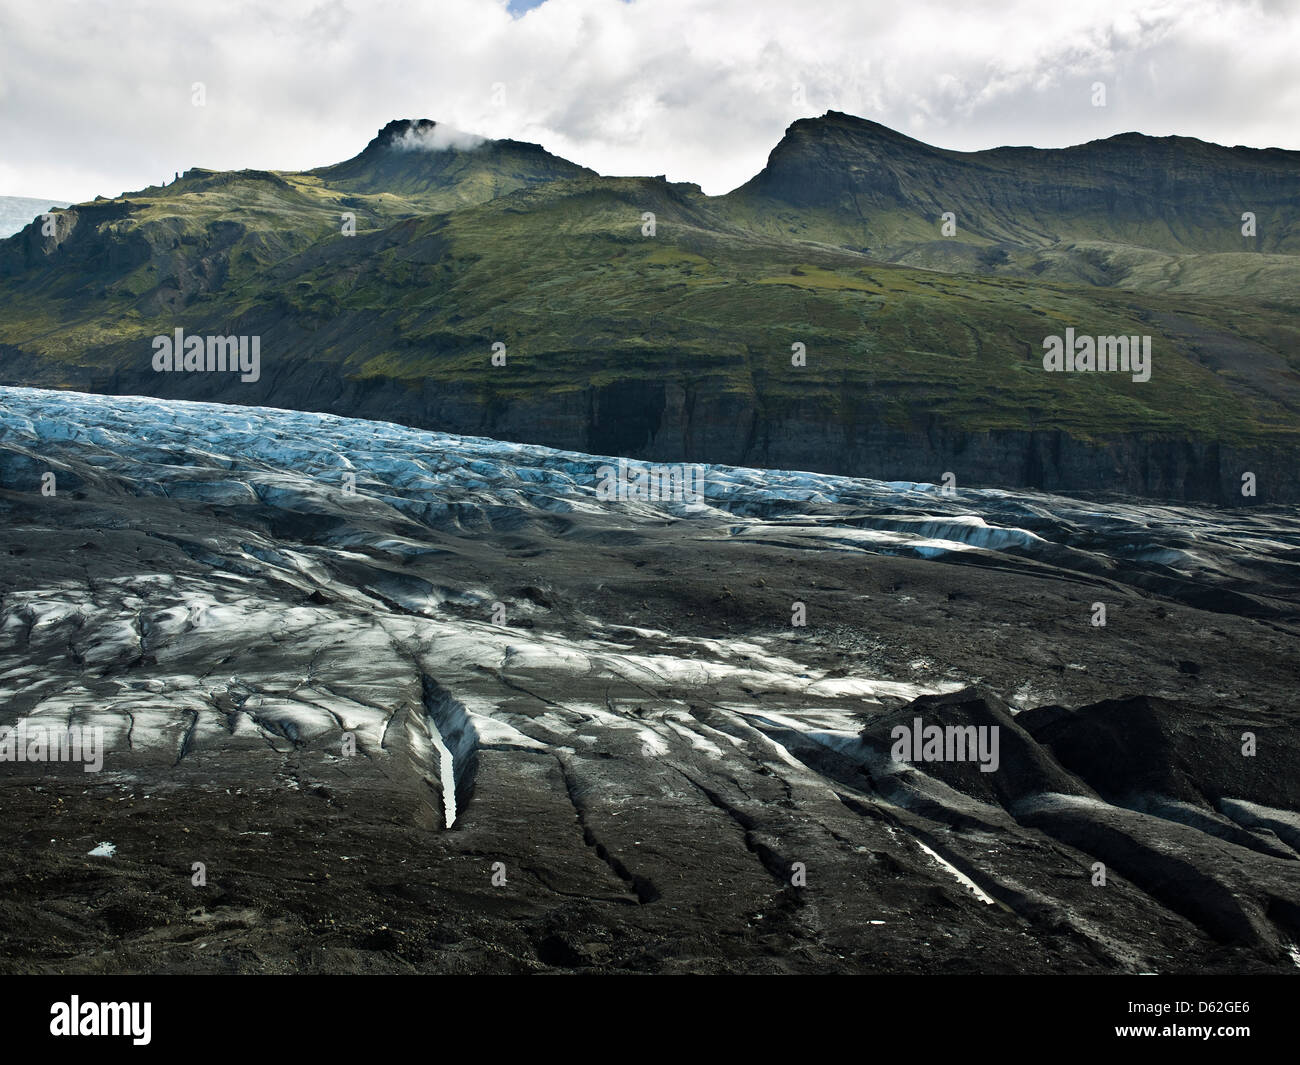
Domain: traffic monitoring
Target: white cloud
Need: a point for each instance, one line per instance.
(437, 138)
(97, 97)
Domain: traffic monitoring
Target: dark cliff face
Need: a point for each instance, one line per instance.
(675, 421)
(75, 238)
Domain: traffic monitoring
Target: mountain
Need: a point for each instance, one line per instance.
(1171, 194)
(924, 352)
(1140, 212)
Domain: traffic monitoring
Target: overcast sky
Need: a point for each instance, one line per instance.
(96, 96)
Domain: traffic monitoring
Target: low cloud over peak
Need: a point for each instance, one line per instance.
(427, 136)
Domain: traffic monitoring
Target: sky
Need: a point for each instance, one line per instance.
(98, 97)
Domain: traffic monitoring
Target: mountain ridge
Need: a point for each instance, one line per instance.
(1168, 194)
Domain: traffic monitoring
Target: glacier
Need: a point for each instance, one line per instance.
(305, 635)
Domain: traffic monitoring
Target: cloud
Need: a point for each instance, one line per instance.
(700, 90)
(436, 138)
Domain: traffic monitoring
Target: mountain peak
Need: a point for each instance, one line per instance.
(421, 157)
(839, 121)
(402, 127)
(422, 134)
(843, 118)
